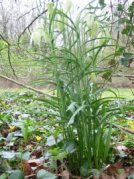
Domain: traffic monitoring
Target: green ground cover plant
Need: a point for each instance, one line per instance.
(44, 139)
(27, 127)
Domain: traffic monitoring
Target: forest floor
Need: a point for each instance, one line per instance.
(28, 135)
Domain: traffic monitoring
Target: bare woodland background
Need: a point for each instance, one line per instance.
(18, 17)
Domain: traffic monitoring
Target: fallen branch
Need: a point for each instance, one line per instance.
(128, 76)
(25, 86)
(30, 176)
(123, 128)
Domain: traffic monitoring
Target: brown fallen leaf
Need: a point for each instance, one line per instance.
(129, 170)
(105, 176)
(118, 164)
(131, 152)
(110, 169)
(122, 176)
(5, 132)
(65, 174)
(27, 168)
(36, 153)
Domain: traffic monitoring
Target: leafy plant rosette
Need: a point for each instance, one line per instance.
(79, 50)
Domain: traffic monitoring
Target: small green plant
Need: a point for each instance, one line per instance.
(76, 65)
(25, 130)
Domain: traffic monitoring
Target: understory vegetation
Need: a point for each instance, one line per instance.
(75, 129)
(32, 138)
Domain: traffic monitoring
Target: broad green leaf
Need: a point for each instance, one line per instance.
(131, 176)
(26, 155)
(70, 147)
(43, 174)
(17, 174)
(3, 176)
(7, 155)
(50, 141)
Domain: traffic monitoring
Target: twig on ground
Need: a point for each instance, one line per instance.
(123, 128)
(25, 86)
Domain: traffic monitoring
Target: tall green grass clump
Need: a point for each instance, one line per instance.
(76, 58)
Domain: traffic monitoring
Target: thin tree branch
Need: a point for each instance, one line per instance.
(9, 54)
(26, 13)
(30, 24)
(123, 129)
(4, 39)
